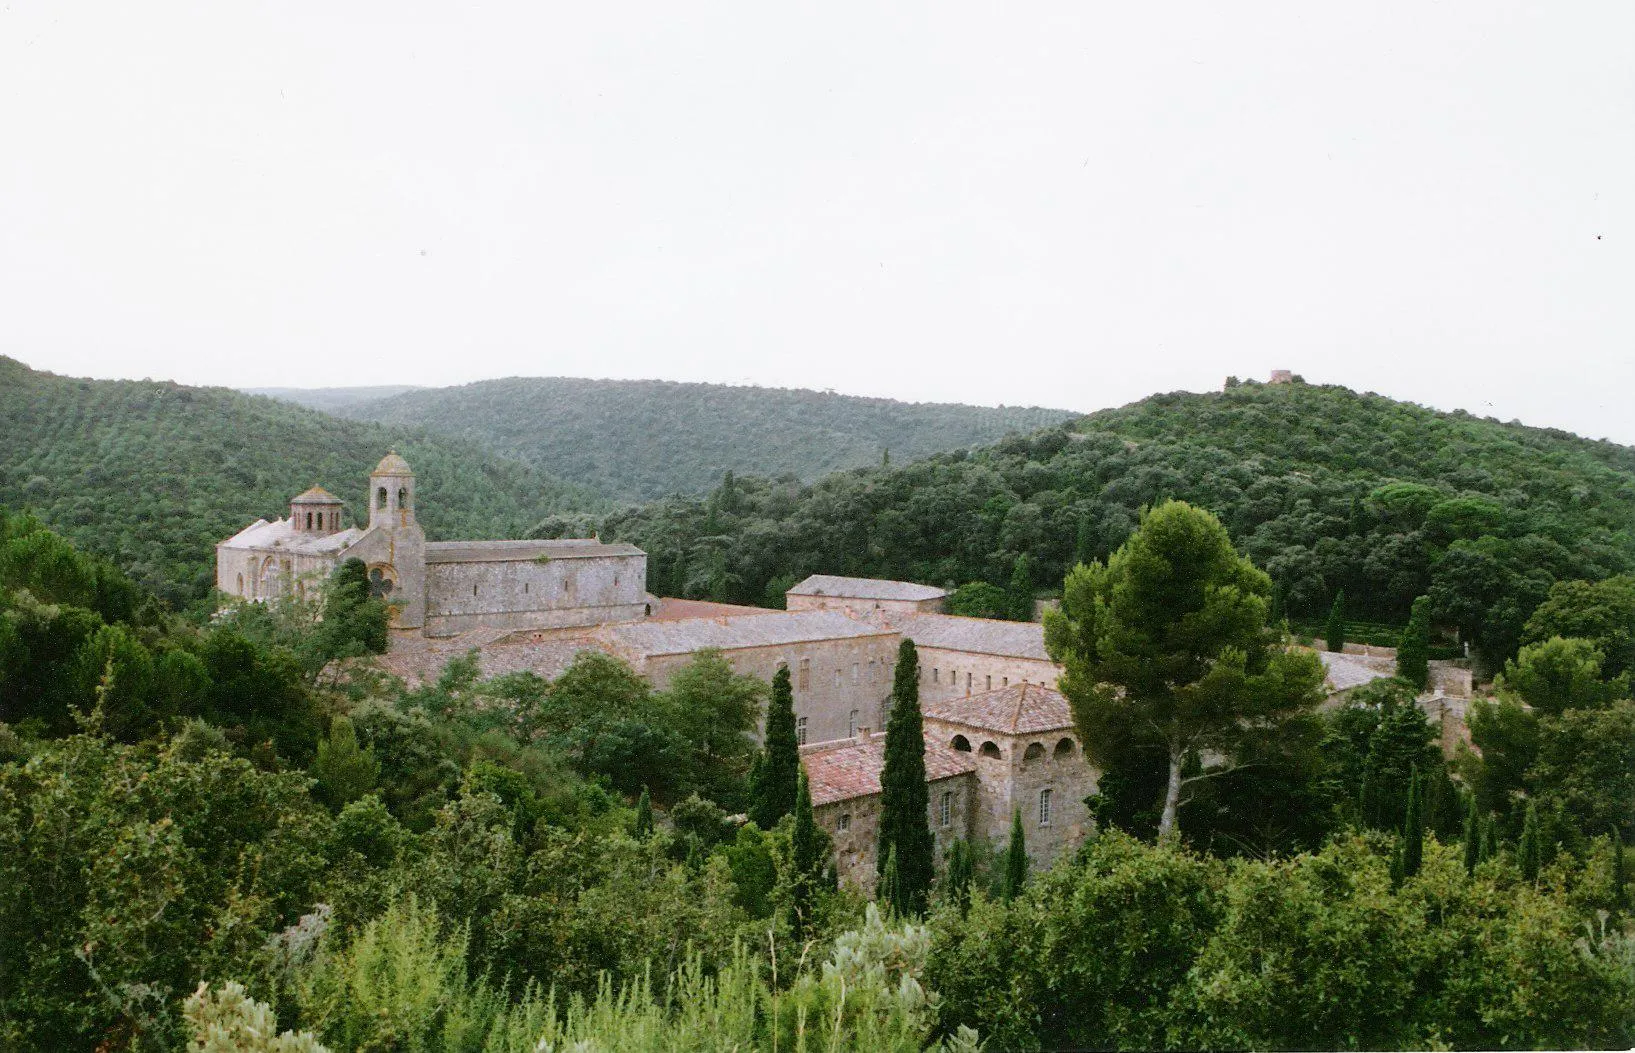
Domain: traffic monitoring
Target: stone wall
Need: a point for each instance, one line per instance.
(530, 593)
(831, 678)
(861, 608)
(856, 845)
(239, 572)
(955, 674)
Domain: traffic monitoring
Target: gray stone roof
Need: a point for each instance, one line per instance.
(505, 551)
(281, 536)
(951, 632)
(1346, 671)
(865, 589)
(776, 628)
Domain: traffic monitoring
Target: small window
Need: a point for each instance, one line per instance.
(403, 497)
(1034, 751)
(857, 672)
(845, 821)
(525, 587)
(1004, 681)
(851, 724)
(1064, 748)
(1044, 807)
(961, 743)
(990, 683)
(936, 675)
(380, 498)
(474, 590)
(945, 810)
(838, 677)
(989, 750)
(967, 683)
(805, 674)
(800, 731)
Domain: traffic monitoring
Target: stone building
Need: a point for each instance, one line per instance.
(845, 780)
(840, 667)
(434, 588)
(971, 656)
(861, 596)
(1028, 760)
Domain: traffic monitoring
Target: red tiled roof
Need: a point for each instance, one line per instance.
(1021, 709)
(848, 768)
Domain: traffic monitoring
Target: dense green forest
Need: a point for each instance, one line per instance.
(210, 837)
(152, 475)
(639, 439)
(1324, 488)
(331, 399)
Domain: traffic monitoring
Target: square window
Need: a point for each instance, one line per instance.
(845, 822)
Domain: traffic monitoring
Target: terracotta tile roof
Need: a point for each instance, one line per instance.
(850, 768)
(1021, 709)
(865, 588)
(769, 629)
(670, 609)
(952, 632)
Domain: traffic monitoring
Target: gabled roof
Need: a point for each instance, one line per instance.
(865, 589)
(850, 768)
(281, 536)
(772, 629)
(1021, 709)
(315, 496)
(952, 632)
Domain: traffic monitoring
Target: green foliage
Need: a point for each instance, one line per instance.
(905, 832)
(808, 862)
(713, 711)
(958, 873)
(1334, 628)
(1413, 828)
(345, 771)
(1529, 852)
(1014, 876)
(227, 1020)
(594, 431)
(642, 829)
(1560, 673)
(773, 789)
(1602, 612)
(979, 599)
(153, 475)
(1413, 653)
(1168, 655)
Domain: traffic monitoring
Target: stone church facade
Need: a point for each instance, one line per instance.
(436, 588)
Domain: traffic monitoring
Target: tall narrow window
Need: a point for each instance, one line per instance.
(851, 724)
(845, 821)
(805, 674)
(1044, 807)
(968, 683)
(380, 498)
(800, 731)
(945, 810)
(990, 683)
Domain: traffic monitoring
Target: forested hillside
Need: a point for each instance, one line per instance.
(152, 475)
(1324, 488)
(639, 439)
(331, 399)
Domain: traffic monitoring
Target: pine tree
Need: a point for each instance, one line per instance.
(774, 779)
(1473, 834)
(1413, 828)
(1528, 853)
(956, 879)
(1334, 631)
(1413, 651)
(643, 828)
(904, 797)
(806, 861)
(1016, 861)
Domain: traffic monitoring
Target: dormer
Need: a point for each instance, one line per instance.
(317, 511)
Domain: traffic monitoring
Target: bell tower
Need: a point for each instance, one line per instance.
(391, 493)
(394, 546)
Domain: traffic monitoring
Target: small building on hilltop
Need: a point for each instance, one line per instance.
(864, 595)
(434, 588)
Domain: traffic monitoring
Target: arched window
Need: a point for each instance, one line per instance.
(309, 520)
(989, 750)
(402, 497)
(1034, 751)
(380, 499)
(1065, 748)
(961, 743)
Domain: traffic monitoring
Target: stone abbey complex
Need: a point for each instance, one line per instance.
(999, 737)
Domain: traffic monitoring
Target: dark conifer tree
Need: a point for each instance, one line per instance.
(1528, 853)
(1413, 651)
(1620, 880)
(904, 797)
(1334, 631)
(806, 851)
(1473, 834)
(956, 879)
(1021, 589)
(1016, 861)
(643, 828)
(777, 771)
(1413, 828)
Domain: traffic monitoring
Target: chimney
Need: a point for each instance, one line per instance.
(863, 733)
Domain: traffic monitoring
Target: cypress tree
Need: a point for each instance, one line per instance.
(805, 852)
(1413, 828)
(1490, 840)
(1016, 861)
(1473, 835)
(773, 783)
(1619, 880)
(644, 816)
(1413, 650)
(1334, 631)
(1398, 863)
(1021, 589)
(889, 889)
(904, 797)
(956, 880)
(1527, 853)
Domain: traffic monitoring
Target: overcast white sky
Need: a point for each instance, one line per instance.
(1071, 205)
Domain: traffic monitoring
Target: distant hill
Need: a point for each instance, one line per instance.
(1325, 488)
(152, 475)
(637, 439)
(331, 399)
